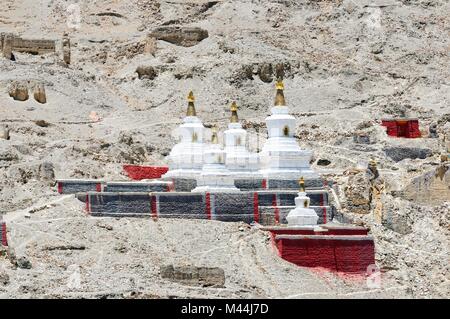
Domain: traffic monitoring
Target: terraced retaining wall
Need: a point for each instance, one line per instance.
(245, 206)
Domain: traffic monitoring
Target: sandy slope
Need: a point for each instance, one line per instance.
(348, 62)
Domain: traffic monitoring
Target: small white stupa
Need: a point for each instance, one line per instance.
(302, 215)
(238, 159)
(215, 177)
(186, 158)
(281, 156)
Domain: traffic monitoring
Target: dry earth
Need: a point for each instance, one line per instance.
(347, 64)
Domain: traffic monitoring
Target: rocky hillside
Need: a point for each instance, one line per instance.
(346, 64)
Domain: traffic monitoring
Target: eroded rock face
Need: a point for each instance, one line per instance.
(194, 276)
(18, 91)
(400, 153)
(183, 36)
(39, 93)
(4, 278)
(23, 263)
(432, 187)
(357, 193)
(395, 221)
(146, 72)
(47, 171)
(8, 156)
(4, 133)
(266, 72)
(150, 45)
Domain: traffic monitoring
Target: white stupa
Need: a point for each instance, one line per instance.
(281, 156)
(302, 215)
(239, 160)
(186, 158)
(215, 177)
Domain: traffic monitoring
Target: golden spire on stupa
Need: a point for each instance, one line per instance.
(301, 182)
(234, 116)
(191, 107)
(214, 137)
(279, 98)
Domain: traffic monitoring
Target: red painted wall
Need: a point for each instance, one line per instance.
(349, 256)
(138, 172)
(402, 128)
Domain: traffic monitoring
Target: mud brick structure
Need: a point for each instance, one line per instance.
(10, 42)
(6, 45)
(402, 127)
(33, 46)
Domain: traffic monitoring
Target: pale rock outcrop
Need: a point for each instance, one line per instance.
(146, 72)
(18, 91)
(39, 93)
(4, 132)
(183, 36)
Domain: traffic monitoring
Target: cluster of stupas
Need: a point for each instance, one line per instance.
(215, 168)
(228, 183)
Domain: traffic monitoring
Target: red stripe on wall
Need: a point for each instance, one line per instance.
(276, 210)
(322, 201)
(4, 238)
(154, 211)
(60, 187)
(208, 205)
(255, 207)
(88, 208)
(264, 184)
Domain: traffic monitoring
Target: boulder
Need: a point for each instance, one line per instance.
(4, 133)
(150, 45)
(182, 36)
(265, 72)
(18, 91)
(361, 138)
(146, 72)
(323, 162)
(47, 171)
(39, 93)
(399, 153)
(397, 222)
(42, 123)
(194, 276)
(23, 263)
(4, 278)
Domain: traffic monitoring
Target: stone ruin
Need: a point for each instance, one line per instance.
(10, 43)
(183, 36)
(18, 90)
